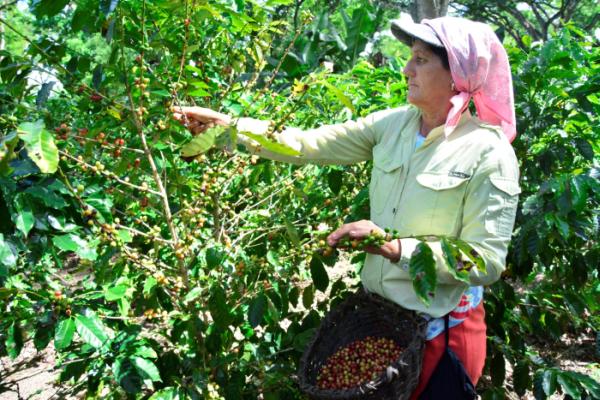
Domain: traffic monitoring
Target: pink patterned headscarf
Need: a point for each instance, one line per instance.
(480, 70)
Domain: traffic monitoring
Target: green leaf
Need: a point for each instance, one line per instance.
(39, 145)
(193, 294)
(6, 293)
(471, 254)
(272, 258)
(549, 381)
(72, 242)
(538, 390)
(47, 8)
(149, 285)
(308, 295)
(301, 340)
(124, 235)
(452, 255)
(146, 368)
(7, 258)
(217, 305)
(340, 95)
(521, 378)
(48, 196)
(24, 219)
(7, 147)
(498, 369)
(63, 335)
(587, 382)
(14, 340)
(115, 292)
(318, 273)
(292, 232)
(257, 310)
(145, 352)
(569, 385)
(271, 146)
(103, 204)
(91, 330)
(198, 93)
(168, 393)
(422, 272)
(202, 143)
(334, 179)
(214, 257)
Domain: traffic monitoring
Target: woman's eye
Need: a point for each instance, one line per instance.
(420, 60)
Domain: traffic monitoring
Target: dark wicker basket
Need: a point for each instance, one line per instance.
(361, 315)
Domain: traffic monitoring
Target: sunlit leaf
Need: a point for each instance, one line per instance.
(40, 145)
(24, 218)
(115, 292)
(146, 368)
(340, 95)
(202, 143)
(7, 258)
(274, 147)
(91, 330)
(74, 243)
(63, 334)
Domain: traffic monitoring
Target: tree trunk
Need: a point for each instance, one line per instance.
(420, 9)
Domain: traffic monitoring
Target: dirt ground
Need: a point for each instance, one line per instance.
(32, 375)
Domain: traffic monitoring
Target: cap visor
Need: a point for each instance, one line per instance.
(407, 31)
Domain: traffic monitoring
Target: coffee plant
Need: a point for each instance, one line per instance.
(161, 266)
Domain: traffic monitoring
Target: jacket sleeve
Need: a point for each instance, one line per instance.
(344, 143)
(489, 212)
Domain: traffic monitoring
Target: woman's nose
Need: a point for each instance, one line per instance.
(408, 70)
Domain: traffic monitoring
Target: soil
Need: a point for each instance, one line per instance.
(32, 375)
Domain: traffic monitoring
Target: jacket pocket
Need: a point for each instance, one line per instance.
(440, 181)
(439, 198)
(502, 208)
(384, 179)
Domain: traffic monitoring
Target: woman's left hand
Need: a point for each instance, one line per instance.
(361, 229)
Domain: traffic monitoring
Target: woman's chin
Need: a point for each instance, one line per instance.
(414, 100)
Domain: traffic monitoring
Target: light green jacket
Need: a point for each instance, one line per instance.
(462, 186)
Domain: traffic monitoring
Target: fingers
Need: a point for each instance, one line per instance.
(198, 119)
(194, 125)
(354, 230)
(198, 113)
(199, 128)
(344, 230)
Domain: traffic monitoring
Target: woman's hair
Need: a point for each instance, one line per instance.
(440, 52)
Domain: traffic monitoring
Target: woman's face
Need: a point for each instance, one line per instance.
(429, 83)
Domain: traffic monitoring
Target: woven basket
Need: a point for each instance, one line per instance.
(361, 315)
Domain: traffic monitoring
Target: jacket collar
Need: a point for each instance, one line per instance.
(439, 130)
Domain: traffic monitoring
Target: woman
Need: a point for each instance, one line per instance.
(437, 171)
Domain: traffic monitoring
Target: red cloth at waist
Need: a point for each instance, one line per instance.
(467, 340)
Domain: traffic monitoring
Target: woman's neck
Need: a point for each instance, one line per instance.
(430, 120)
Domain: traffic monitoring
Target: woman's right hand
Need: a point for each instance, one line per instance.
(199, 119)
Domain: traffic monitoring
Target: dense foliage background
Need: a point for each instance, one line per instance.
(160, 276)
